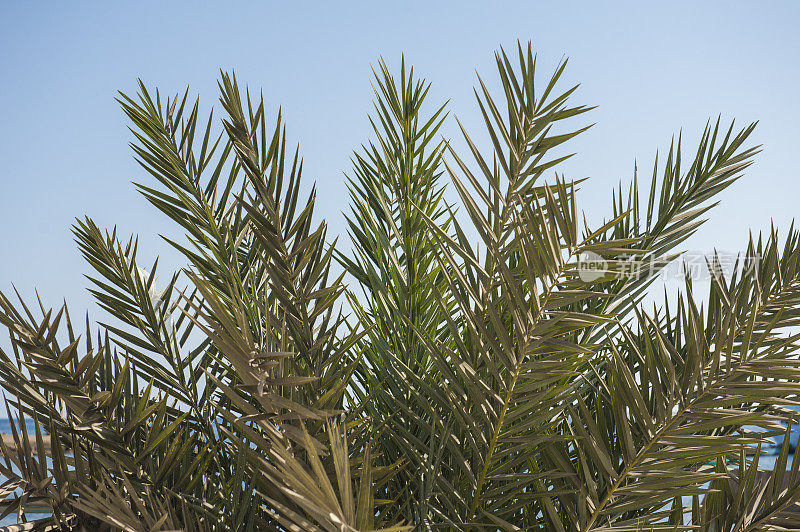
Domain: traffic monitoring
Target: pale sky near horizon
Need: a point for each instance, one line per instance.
(652, 70)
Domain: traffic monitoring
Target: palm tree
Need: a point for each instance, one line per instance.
(457, 368)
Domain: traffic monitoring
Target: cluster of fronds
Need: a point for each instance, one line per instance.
(455, 370)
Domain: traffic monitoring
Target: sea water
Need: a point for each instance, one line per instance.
(5, 428)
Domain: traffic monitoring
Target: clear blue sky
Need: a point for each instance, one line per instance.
(651, 68)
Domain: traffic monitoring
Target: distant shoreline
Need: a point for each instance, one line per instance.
(8, 440)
